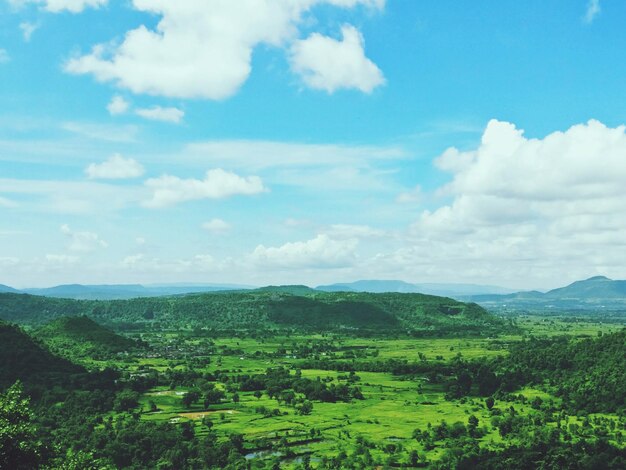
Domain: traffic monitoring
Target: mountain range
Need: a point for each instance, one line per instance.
(132, 291)
(597, 292)
(122, 291)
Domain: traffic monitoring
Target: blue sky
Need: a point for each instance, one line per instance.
(311, 141)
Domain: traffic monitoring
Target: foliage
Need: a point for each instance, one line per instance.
(19, 447)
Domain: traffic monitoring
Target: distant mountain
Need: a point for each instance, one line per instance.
(446, 290)
(83, 337)
(4, 288)
(126, 291)
(597, 292)
(598, 287)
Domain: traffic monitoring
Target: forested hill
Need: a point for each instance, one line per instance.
(83, 337)
(267, 308)
(23, 358)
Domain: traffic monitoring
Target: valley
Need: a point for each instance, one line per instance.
(288, 377)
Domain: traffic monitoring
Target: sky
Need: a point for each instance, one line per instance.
(312, 141)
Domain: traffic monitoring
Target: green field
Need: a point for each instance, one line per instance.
(386, 419)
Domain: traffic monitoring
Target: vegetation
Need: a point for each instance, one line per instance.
(316, 387)
(81, 337)
(292, 308)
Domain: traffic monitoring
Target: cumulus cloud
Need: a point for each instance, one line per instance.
(57, 6)
(319, 252)
(28, 30)
(116, 167)
(217, 184)
(530, 207)
(203, 48)
(82, 241)
(593, 10)
(4, 56)
(117, 105)
(158, 113)
(216, 226)
(327, 64)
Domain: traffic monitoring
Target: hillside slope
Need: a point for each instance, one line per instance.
(83, 337)
(25, 359)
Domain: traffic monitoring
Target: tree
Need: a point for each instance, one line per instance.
(489, 401)
(126, 400)
(306, 408)
(19, 448)
(472, 425)
(190, 398)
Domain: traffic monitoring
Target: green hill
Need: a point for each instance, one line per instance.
(266, 308)
(24, 358)
(83, 337)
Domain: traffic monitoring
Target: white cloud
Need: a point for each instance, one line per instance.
(4, 56)
(117, 105)
(524, 208)
(116, 167)
(200, 48)
(327, 64)
(28, 29)
(158, 113)
(82, 241)
(57, 6)
(217, 226)
(319, 252)
(217, 184)
(593, 10)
